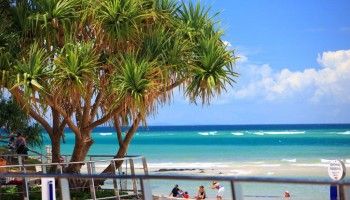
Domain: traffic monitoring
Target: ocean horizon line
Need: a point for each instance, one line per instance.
(228, 127)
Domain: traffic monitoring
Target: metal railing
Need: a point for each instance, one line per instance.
(140, 183)
(146, 192)
(90, 170)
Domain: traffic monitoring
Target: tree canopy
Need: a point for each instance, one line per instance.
(86, 62)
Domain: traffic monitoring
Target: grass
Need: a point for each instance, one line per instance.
(15, 193)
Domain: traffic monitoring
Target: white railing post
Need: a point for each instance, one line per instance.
(25, 179)
(92, 182)
(132, 171)
(65, 191)
(115, 184)
(146, 187)
(93, 166)
(144, 164)
(44, 168)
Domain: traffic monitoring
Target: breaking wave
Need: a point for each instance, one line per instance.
(105, 134)
(279, 132)
(344, 133)
(208, 133)
(237, 133)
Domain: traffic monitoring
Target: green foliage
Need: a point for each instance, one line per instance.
(121, 18)
(135, 79)
(91, 60)
(74, 43)
(35, 70)
(75, 66)
(14, 119)
(213, 70)
(11, 193)
(49, 16)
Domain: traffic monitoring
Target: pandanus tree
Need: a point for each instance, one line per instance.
(83, 63)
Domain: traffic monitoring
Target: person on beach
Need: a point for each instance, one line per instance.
(201, 193)
(216, 185)
(21, 145)
(11, 144)
(185, 195)
(286, 195)
(175, 192)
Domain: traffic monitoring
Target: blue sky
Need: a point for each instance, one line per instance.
(294, 66)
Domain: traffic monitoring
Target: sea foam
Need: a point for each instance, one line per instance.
(237, 172)
(237, 133)
(184, 165)
(289, 160)
(259, 133)
(279, 132)
(344, 133)
(208, 133)
(105, 134)
(310, 165)
(325, 160)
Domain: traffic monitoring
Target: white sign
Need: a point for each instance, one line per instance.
(48, 191)
(336, 170)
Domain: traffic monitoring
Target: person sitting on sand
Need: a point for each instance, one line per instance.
(216, 185)
(175, 192)
(201, 193)
(185, 195)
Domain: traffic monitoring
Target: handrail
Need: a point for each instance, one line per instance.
(89, 155)
(256, 179)
(68, 163)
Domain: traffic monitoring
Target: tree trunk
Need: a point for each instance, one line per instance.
(55, 151)
(124, 147)
(56, 148)
(55, 136)
(81, 148)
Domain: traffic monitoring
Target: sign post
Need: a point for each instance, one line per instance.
(48, 191)
(336, 171)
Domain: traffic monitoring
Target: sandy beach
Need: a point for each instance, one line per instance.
(250, 190)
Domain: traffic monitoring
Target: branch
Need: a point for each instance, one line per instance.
(175, 84)
(87, 106)
(96, 105)
(132, 130)
(66, 117)
(20, 100)
(78, 113)
(104, 118)
(118, 129)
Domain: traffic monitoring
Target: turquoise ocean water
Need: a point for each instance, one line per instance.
(310, 143)
(216, 147)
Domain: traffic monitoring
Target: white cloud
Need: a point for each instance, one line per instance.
(241, 58)
(329, 82)
(227, 43)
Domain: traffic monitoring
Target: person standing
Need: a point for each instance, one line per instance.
(21, 145)
(220, 194)
(11, 144)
